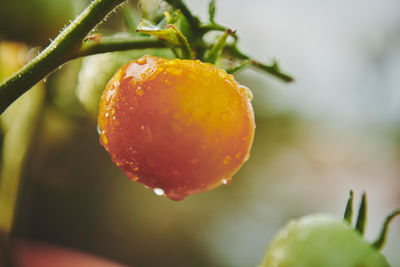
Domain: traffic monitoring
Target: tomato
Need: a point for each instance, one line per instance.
(177, 126)
(321, 240)
(97, 70)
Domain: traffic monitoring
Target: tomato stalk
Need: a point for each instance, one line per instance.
(62, 49)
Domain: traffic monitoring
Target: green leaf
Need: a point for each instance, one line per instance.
(362, 215)
(166, 34)
(378, 244)
(211, 10)
(348, 213)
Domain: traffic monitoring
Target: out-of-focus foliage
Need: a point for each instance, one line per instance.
(35, 21)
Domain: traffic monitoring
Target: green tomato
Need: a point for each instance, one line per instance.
(321, 241)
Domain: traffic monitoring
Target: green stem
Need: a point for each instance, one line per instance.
(183, 42)
(244, 64)
(215, 52)
(212, 27)
(109, 44)
(129, 18)
(56, 54)
(273, 69)
(193, 21)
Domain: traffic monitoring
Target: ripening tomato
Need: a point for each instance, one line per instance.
(177, 126)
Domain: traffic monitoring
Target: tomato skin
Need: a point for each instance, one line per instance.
(97, 70)
(321, 240)
(182, 126)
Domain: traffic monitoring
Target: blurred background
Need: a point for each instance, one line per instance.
(336, 128)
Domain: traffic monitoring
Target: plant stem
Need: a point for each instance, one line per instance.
(57, 53)
(183, 42)
(109, 44)
(193, 21)
(215, 52)
(271, 69)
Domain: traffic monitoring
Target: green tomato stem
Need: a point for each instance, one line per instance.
(183, 42)
(212, 27)
(110, 44)
(244, 64)
(57, 53)
(214, 53)
(128, 14)
(272, 69)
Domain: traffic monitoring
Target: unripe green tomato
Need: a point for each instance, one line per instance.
(321, 241)
(97, 70)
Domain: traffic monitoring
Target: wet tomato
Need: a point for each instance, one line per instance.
(321, 240)
(177, 126)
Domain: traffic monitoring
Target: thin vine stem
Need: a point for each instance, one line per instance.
(111, 44)
(62, 49)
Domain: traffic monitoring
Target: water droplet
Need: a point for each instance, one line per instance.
(142, 127)
(227, 160)
(141, 61)
(130, 107)
(158, 191)
(139, 91)
(114, 118)
(246, 91)
(226, 181)
(104, 138)
(112, 111)
(108, 99)
(98, 129)
(176, 196)
(106, 115)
